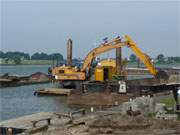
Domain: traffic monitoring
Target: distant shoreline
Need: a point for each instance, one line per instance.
(29, 62)
(50, 63)
(25, 64)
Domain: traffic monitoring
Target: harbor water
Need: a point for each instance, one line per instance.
(20, 101)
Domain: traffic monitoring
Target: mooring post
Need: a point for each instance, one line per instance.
(69, 52)
(10, 131)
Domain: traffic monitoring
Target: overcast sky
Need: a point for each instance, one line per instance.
(45, 25)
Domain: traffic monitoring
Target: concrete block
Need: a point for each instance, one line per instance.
(173, 117)
(160, 107)
(170, 116)
(126, 106)
(145, 104)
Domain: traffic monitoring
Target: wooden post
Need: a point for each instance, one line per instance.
(118, 61)
(49, 121)
(69, 52)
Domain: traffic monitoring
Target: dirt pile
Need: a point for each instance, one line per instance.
(7, 80)
(38, 76)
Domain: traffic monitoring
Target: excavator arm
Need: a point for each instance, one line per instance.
(99, 50)
(142, 56)
(117, 44)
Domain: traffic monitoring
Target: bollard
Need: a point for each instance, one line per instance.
(116, 103)
(92, 109)
(10, 131)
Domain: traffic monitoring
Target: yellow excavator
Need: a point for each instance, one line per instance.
(68, 75)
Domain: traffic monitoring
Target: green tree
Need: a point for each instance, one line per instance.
(6, 60)
(17, 60)
(39, 56)
(133, 58)
(173, 59)
(55, 56)
(2, 54)
(11, 55)
(176, 59)
(160, 58)
(44, 56)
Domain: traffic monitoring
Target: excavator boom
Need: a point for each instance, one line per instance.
(97, 51)
(117, 44)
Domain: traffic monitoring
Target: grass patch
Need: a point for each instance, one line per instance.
(169, 101)
(151, 114)
(37, 62)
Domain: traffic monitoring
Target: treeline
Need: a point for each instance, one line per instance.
(12, 55)
(35, 56)
(44, 56)
(17, 57)
(160, 58)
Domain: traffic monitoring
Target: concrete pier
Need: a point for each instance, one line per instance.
(25, 121)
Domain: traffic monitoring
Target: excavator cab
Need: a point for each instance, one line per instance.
(103, 73)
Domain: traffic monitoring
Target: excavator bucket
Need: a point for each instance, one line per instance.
(162, 75)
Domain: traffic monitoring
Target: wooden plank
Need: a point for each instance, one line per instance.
(5, 80)
(60, 115)
(52, 91)
(44, 119)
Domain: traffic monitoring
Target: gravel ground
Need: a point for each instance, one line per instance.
(117, 124)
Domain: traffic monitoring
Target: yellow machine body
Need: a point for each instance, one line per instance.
(106, 65)
(63, 73)
(108, 62)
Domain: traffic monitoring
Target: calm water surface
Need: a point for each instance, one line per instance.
(20, 101)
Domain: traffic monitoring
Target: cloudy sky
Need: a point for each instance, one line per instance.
(45, 25)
